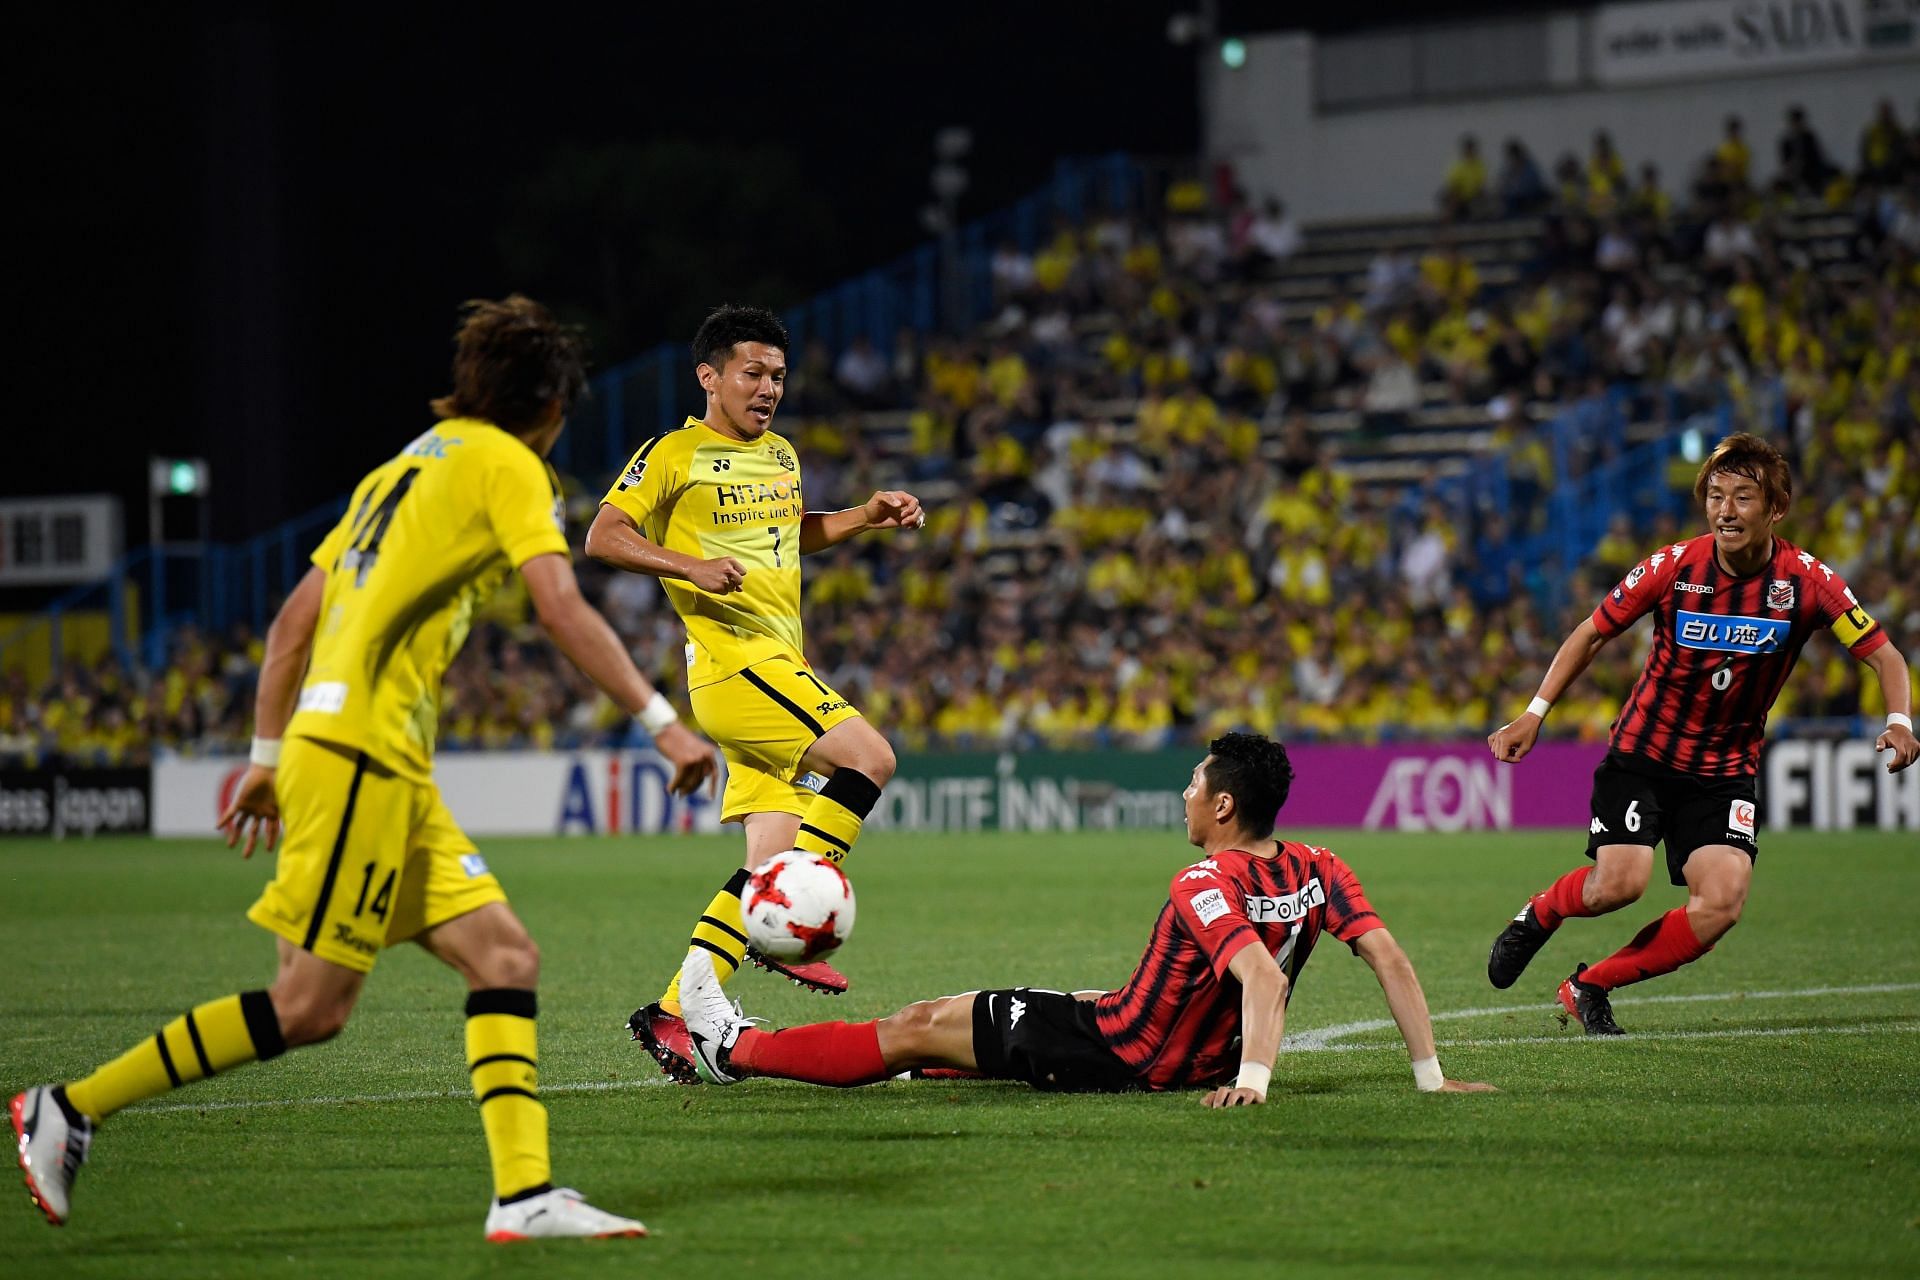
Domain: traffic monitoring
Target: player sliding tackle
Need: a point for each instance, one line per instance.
(713, 509)
(1731, 610)
(1205, 1007)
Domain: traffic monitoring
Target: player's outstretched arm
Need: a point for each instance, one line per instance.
(1512, 741)
(1263, 1015)
(886, 509)
(1890, 667)
(613, 538)
(1408, 1003)
(254, 810)
(586, 638)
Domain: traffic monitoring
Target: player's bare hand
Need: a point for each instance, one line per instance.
(1510, 742)
(694, 760)
(1464, 1086)
(1900, 740)
(253, 812)
(721, 576)
(894, 509)
(1232, 1095)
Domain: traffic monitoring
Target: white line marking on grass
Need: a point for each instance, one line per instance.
(1317, 1039)
(1723, 1033)
(414, 1095)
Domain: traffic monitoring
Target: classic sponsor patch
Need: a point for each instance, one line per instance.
(474, 865)
(1730, 632)
(328, 696)
(1210, 905)
(1740, 818)
(1780, 594)
(1262, 910)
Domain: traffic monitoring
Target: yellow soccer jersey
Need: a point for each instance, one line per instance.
(698, 492)
(427, 537)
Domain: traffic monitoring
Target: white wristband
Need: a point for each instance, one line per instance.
(1426, 1075)
(1255, 1077)
(1895, 718)
(1539, 707)
(658, 714)
(265, 753)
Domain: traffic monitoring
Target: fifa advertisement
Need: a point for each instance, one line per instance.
(1412, 787)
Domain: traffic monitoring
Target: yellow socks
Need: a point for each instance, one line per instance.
(832, 822)
(504, 1064)
(214, 1037)
(723, 931)
(829, 827)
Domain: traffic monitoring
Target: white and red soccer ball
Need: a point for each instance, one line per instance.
(799, 906)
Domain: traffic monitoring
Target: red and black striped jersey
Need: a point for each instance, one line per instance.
(1177, 1020)
(1722, 650)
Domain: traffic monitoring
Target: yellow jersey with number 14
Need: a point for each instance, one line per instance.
(695, 491)
(427, 536)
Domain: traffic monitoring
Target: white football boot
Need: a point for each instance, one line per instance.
(714, 1023)
(555, 1214)
(51, 1149)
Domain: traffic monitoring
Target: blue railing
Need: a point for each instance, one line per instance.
(655, 390)
(212, 587)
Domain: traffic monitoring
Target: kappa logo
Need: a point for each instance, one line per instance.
(1694, 588)
(1780, 594)
(1740, 818)
(1659, 558)
(1594, 830)
(1202, 870)
(1014, 1011)
(1679, 549)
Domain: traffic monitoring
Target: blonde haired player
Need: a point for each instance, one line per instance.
(713, 508)
(343, 764)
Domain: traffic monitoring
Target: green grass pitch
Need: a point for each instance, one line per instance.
(1764, 1121)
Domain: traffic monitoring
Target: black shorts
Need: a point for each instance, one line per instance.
(1048, 1039)
(1638, 802)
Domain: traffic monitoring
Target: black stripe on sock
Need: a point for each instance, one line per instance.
(199, 1050)
(702, 942)
(829, 837)
(726, 928)
(333, 861)
(737, 882)
(853, 791)
(507, 1090)
(537, 1189)
(166, 1059)
(478, 1063)
(792, 707)
(515, 1002)
(263, 1025)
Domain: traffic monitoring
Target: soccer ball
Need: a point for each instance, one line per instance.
(799, 907)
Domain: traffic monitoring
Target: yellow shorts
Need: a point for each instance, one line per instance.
(765, 717)
(367, 858)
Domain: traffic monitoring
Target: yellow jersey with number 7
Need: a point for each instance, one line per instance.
(696, 491)
(427, 537)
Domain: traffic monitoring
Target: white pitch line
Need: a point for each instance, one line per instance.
(415, 1095)
(1315, 1039)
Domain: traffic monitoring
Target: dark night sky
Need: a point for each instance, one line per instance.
(245, 236)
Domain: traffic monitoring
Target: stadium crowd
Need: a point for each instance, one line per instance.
(1142, 527)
